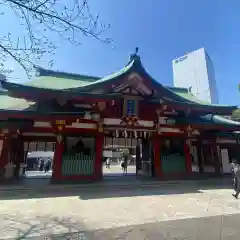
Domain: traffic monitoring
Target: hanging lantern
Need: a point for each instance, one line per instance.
(125, 134)
(60, 124)
(101, 106)
(59, 138)
(145, 135)
(189, 131)
(135, 134)
(100, 127)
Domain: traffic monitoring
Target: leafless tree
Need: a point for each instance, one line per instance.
(66, 18)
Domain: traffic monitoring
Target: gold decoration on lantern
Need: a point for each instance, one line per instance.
(60, 124)
(60, 128)
(100, 128)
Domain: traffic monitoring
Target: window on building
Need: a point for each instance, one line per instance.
(131, 107)
(181, 59)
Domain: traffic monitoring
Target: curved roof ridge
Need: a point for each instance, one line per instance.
(112, 76)
(54, 73)
(220, 119)
(185, 90)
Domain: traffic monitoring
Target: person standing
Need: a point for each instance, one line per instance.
(41, 166)
(47, 165)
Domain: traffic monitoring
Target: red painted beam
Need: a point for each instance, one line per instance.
(65, 130)
(45, 118)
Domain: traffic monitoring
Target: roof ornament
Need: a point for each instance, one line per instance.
(136, 51)
(135, 55)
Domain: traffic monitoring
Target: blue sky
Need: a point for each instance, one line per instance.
(163, 30)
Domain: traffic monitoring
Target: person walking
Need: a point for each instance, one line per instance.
(236, 178)
(108, 163)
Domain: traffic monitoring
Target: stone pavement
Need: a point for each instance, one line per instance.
(174, 211)
(117, 170)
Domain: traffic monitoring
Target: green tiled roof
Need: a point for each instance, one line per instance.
(48, 79)
(185, 93)
(111, 76)
(70, 84)
(60, 80)
(56, 83)
(66, 75)
(208, 120)
(236, 114)
(11, 103)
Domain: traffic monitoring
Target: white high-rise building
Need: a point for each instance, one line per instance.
(195, 70)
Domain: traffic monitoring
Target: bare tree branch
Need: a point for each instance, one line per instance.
(65, 18)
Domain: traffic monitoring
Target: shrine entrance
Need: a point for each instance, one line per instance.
(38, 160)
(127, 154)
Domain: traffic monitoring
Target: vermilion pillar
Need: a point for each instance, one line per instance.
(5, 151)
(188, 160)
(98, 157)
(17, 152)
(57, 158)
(200, 155)
(216, 157)
(157, 157)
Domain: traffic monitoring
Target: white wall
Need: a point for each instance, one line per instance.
(212, 79)
(196, 71)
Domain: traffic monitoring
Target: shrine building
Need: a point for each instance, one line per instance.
(78, 116)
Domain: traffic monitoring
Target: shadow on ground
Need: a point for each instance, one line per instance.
(39, 227)
(110, 191)
(214, 228)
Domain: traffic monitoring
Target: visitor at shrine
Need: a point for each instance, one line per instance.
(41, 166)
(47, 165)
(236, 178)
(108, 163)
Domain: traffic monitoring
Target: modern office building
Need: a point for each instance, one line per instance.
(195, 71)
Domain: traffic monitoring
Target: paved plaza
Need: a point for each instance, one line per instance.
(158, 211)
(38, 174)
(116, 169)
